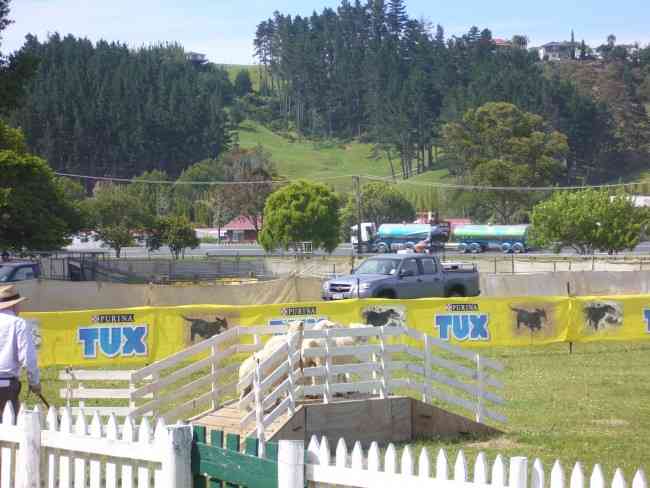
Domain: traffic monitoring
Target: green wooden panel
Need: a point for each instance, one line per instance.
(232, 444)
(216, 438)
(199, 433)
(236, 468)
(272, 451)
(252, 446)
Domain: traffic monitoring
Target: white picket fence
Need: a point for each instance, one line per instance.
(69, 452)
(371, 469)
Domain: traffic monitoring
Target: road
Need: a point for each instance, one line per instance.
(254, 250)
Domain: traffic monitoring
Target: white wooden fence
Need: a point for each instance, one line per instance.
(372, 469)
(68, 451)
(379, 361)
(278, 383)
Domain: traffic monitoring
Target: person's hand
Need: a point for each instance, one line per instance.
(36, 389)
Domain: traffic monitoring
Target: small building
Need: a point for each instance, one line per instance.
(557, 51)
(241, 229)
(196, 58)
(502, 43)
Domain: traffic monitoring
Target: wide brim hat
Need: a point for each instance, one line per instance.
(9, 297)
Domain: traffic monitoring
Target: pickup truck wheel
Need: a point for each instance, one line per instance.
(456, 294)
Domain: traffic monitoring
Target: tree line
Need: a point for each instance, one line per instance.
(365, 69)
(104, 109)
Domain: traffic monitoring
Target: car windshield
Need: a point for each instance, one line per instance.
(5, 272)
(378, 266)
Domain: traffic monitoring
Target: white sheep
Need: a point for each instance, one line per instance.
(334, 342)
(295, 332)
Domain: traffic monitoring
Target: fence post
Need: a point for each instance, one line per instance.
(518, 472)
(292, 399)
(176, 451)
(213, 369)
(382, 364)
(29, 453)
(327, 394)
(427, 368)
(259, 408)
(513, 263)
(291, 464)
(479, 385)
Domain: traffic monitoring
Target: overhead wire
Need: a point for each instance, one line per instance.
(390, 178)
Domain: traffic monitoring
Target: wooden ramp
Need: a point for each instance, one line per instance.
(228, 419)
(394, 419)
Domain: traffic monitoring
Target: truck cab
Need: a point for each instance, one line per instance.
(404, 276)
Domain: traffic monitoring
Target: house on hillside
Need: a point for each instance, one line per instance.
(498, 42)
(557, 51)
(241, 229)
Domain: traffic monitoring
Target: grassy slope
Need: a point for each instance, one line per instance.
(591, 406)
(327, 162)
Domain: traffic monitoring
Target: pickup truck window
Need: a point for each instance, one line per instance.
(378, 266)
(428, 266)
(411, 265)
(24, 273)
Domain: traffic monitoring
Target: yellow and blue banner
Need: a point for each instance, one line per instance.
(138, 336)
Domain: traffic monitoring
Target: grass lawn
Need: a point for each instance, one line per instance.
(591, 406)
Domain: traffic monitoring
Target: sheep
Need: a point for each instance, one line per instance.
(335, 342)
(295, 332)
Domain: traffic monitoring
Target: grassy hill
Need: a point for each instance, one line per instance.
(253, 69)
(328, 162)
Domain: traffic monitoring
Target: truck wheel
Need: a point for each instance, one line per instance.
(382, 248)
(506, 248)
(475, 248)
(518, 248)
(462, 247)
(456, 293)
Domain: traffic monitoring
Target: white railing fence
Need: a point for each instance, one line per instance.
(378, 361)
(66, 450)
(372, 469)
(381, 367)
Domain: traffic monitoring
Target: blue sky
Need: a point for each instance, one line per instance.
(224, 29)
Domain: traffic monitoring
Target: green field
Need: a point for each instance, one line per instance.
(591, 406)
(253, 69)
(328, 162)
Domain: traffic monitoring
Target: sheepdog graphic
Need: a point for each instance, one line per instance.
(603, 315)
(380, 316)
(205, 329)
(532, 319)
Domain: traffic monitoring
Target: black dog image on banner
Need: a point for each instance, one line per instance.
(531, 319)
(205, 329)
(600, 315)
(381, 318)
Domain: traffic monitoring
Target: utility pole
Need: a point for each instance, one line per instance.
(357, 190)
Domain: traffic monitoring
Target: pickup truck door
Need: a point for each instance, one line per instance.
(433, 283)
(410, 280)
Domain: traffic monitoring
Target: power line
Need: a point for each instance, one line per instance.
(453, 186)
(435, 185)
(191, 183)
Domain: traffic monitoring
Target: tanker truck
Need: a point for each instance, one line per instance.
(479, 238)
(396, 237)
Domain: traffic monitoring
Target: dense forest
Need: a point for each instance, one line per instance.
(364, 71)
(368, 70)
(106, 109)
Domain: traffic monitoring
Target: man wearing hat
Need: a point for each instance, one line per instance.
(16, 349)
